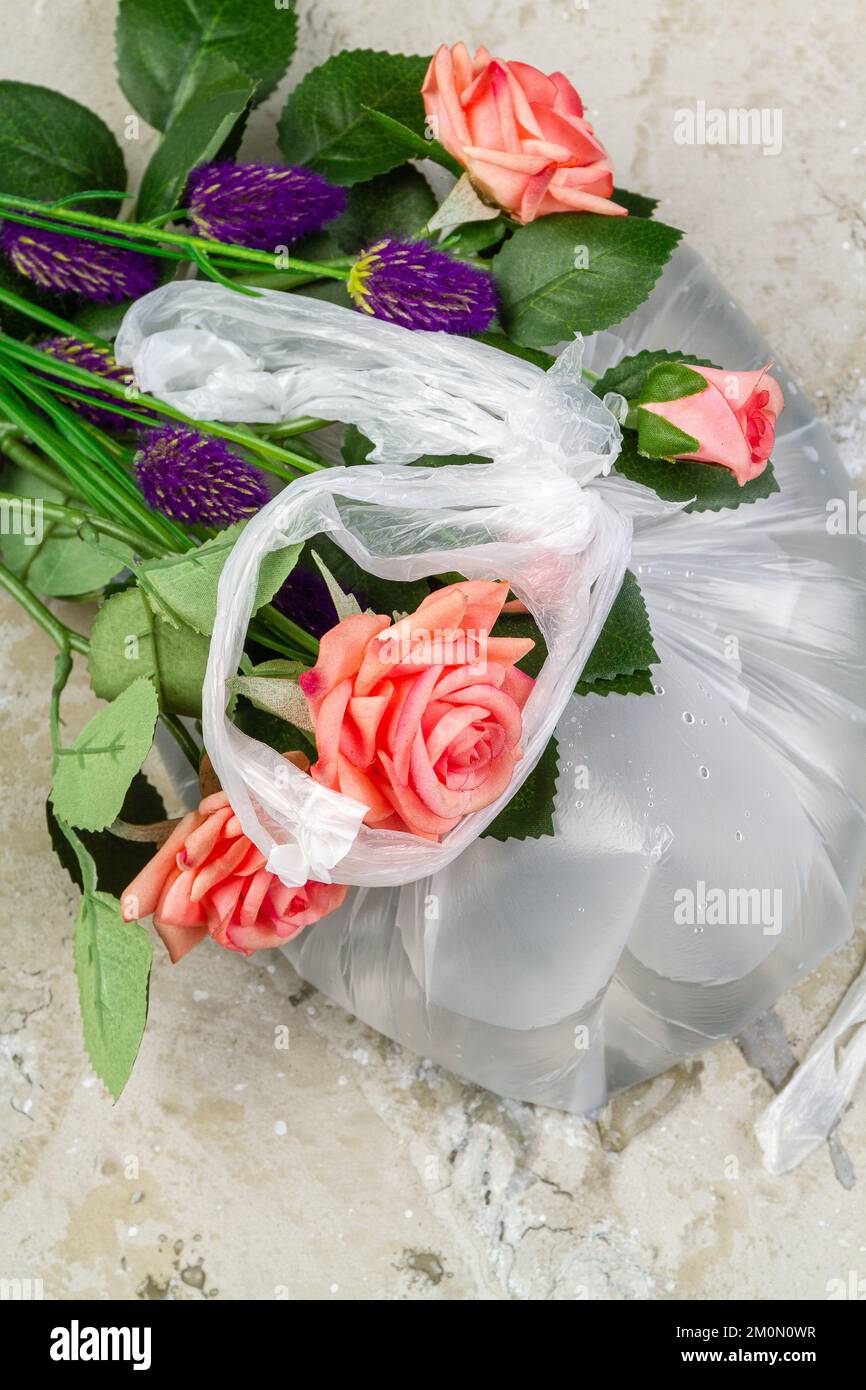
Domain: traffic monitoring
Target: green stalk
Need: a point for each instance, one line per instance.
(18, 452)
(183, 738)
(107, 486)
(99, 488)
(284, 626)
(16, 210)
(66, 371)
(63, 637)
(162, 252)
(75, 518)
(47, 318)
(66, 642)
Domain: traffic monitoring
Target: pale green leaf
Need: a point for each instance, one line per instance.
(92, 775)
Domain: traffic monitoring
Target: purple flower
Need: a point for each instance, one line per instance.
(260, 205)
(95, 359)
(72, 265)
(196, 477)
(411, 283)
(304, 598)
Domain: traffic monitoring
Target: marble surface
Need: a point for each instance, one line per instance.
(344, 1166)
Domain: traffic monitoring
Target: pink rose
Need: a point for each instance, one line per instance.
(421, 719)
(208, 877)
(521, 135)
(733, 418)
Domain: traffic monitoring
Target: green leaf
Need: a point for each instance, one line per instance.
(51, 146)
(195, 136)
(92, 775)
(577, 272)
(670, 381)
(529, 813)
(327, 121)
(629, 376)
(355, 446)
(183, 588)
(117, 861)
(475, 237)
(657, 438)
(167, 48)
(396, 204)
(414, 146)
(61, 565)
(19, 325)
(522, 625)
(638, 204)
(625, 642)
(711, 486)
(277, 695)
(112, 963)
(637, 683)
(624, 645)
(127, 641)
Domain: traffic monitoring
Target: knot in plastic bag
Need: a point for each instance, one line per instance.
(559, 426)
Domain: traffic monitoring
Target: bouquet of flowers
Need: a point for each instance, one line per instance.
(363, 537)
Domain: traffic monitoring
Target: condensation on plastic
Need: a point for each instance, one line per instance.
(554, 971)
(531, 516)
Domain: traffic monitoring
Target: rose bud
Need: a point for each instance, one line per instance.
(710, 415)
(521, 136)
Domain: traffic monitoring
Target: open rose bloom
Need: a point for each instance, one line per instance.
(420, 720)
(520, 134)
(209, 877)
(733, 419)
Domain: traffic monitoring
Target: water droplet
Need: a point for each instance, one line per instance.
(722, 719)
(738, 835)
(578, 804)
(703, 772)
(688, 717)
(659, 689)
(698, 931)
(659, 845)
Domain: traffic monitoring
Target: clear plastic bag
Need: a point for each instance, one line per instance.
(553, 970)
(531, 516)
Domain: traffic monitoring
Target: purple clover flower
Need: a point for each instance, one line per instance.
(100, 361)
(260, 205)
(196, 477)
(73, 265)
(304, 598)
(411, 283)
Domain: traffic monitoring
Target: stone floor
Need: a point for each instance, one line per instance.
(347, 1167)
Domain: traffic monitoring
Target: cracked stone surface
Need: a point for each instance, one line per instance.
(344, 1166)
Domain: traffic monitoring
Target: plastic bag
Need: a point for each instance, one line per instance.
(531, 516)
(553, 969)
